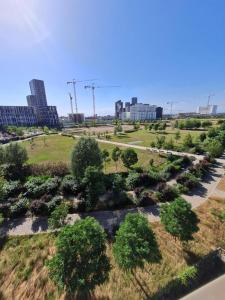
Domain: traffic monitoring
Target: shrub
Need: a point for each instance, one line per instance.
(70, 185)
(1, 219)
(132, 180)
(19, 208)
(188, 274)
(11, 188)
(38, 207)
(146, 199)
(166, 193)
(129, 157)
(188, 180)
(51, 205)
(51, 185)
(51, 169)
(118, 183)
(5, 209)
(57, 218)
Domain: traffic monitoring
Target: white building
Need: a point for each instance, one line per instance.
(207, 110)
(143, 112)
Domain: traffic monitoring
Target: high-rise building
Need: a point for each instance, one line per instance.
(118, 108)
(134, 100)
(37, 113)
(142, 112)
(159, 113)
(127, 106)
(37, 88)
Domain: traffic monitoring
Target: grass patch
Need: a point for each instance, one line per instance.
(24, 276)
(58, 148)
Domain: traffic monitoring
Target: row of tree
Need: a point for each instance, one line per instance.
(80, 262)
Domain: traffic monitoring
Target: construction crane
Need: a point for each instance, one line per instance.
(209, 97)
(74, 82)
(93, 87)
(71, 103)
(171, 106)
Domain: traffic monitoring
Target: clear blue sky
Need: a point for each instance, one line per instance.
(157, 50)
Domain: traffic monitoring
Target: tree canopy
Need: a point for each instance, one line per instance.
(80, 262)
(135, 243)
(129, 157)
(85, 153)
(178, 219)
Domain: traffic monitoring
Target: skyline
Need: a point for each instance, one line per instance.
(156, 51)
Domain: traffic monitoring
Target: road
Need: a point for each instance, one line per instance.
(215, 290)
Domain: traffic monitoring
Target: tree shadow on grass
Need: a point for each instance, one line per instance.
(191, 257)
(3, 240)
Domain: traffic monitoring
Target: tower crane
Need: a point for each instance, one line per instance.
(71, 103)
(74, 82)
(93, 87)
(171, 105)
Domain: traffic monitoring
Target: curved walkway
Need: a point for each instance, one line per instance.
(27, 226)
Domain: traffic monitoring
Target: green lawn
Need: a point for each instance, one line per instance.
(144, 137)
(58, 148)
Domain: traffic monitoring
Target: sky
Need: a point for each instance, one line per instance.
(157, 50)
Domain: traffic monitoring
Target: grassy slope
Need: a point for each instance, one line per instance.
(24, 276)
(58, 148)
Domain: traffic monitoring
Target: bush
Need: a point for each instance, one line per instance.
(5, 209)
(39, 207)
(51, 205)
(188, 180)
(118, 183)
(11, 189)
(188, 274)
(51, 185)
(19, 208)
(146, 199)
(57, 218)
(166, 193)
(70, 185)
(35, 187)
(51, 169)
(132, 180)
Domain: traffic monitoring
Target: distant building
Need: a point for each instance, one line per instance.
(207, 110)
(76, 118)
(137, 111)
(142, 112)
(134, 100)
(17, 116)
(37, 88)
(37, 113)
(118, 108)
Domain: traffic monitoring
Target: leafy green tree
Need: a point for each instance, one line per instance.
(214, 148)
(94, 186)
(58, 217)
(118, 183)
(105, 157)
(188, 142)
(202, 136)
(177, 135)
(116, 154)
(80, 262)
(85, 153)
(129, 157)
(135, 243)
(15, 154)
(156, 126)
(179, 220)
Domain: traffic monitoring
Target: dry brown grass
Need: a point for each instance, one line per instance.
(221, 185)
(24, 276)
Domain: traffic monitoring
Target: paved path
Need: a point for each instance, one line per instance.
(151, 149)
(215, 290)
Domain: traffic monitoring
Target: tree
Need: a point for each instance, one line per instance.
(116, 153)
(80, 262)
(177, 135)
(187, 142)
(85, 153)
(57, 218)
(129, 157)
(94, 186)
(105, 157)
(15, 154)
(202, 136)
(135, 243)
(214, 148)
(179, 220)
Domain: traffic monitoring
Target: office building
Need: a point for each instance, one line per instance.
(142, 112)
(17, 116)
(76, 118)
(37, 113)
(207, 110)
(134, 100)
(118, 108)
(135, 111)
(37, 88)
